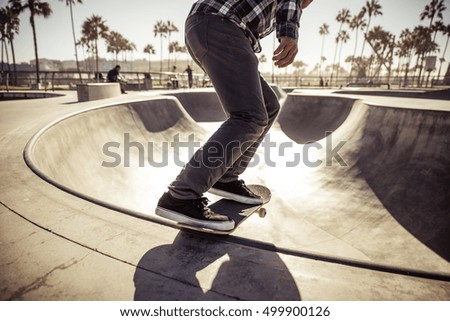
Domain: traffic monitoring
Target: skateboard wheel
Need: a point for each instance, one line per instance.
(262, 212)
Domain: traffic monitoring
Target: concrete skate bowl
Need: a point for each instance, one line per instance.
(204, 105)
(442, 94)
(386, 209)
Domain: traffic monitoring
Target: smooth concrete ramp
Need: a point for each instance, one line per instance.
(202, 105)
(381, 202)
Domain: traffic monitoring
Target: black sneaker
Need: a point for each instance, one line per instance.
(194, 212)
(236, 191)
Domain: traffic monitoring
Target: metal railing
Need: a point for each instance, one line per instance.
(63, 80)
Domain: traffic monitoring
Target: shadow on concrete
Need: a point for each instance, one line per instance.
(405, 160)
(201, 269)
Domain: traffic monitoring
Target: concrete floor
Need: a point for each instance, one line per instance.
(341, 237)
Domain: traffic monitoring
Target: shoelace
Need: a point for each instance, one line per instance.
(242, 184)
(201, 203)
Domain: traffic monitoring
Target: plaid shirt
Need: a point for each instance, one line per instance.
(257, 18)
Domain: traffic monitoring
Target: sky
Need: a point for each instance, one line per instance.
(135, 19)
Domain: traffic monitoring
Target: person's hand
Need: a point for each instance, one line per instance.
(306, 3)
(285, 54)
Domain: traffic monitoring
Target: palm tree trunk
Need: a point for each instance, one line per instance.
(354, 53)
(334, 61)
(14, 62)
(33, 27)
(168, 60)
(96, 60)
(417, 56)
(339, 62)
(407, 69)
(365, 34)
(443, 55)
(7, 55)
(75, 42)
(161, 63)
(419, 79)
(365, 39)
(397, 72)
(321, 55)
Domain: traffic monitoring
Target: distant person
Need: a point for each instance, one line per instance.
(321, 82)
(174, 78)
(190, 79)
(114, 76)
(222, 37)
(99, 76)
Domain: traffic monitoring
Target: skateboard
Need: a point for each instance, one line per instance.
(238, 212)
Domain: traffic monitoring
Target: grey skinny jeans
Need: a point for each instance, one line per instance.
(224, 52)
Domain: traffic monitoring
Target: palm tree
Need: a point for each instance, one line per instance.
(129, 47)
(93, 29)
(70, 4)
(357, 23)
(170, 28)
(343, 37)
(405, 47)
(88, 46)
(161, 29)
(262, 59)
(324, 30)
(446, 31)
(432, 10)
(115, 44)
(423, 44)
(150, 50)
(342, 17)
(373, 9)
(438, 26)
(382, 43)
(9, 27)
(36, 8)
(175, 47)
(322, 60)
(299, 66)
(3, 23)
(12, 29)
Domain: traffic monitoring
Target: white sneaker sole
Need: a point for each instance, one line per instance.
(183, 219)
(236, 197)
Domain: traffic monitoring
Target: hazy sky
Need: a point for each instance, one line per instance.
(135, 20)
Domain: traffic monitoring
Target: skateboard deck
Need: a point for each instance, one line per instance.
(238, 212)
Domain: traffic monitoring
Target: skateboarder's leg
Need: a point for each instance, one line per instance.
(224, 52)
(273, 107)
(227, 56)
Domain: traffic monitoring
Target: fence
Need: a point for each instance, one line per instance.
(56, 80)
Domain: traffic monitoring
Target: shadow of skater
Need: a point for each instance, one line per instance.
(193, 268)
